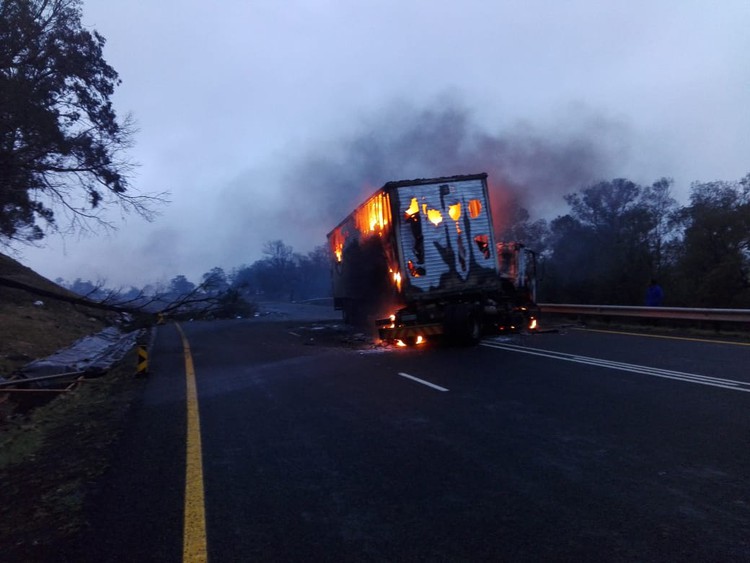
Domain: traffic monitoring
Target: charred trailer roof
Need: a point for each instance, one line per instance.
(424, 238)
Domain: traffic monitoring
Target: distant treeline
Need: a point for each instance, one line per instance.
(281, 274)
(616, 237)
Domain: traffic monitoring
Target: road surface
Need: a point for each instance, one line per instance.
(572, 445)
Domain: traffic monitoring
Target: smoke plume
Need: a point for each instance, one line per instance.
(304, 194)
(529, 166)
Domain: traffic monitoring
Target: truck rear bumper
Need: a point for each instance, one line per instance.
(408, 332)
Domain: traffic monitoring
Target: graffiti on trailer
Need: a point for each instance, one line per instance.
(445, 234)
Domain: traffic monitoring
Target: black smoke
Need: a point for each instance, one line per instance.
(529, 165)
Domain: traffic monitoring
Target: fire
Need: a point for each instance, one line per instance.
(374, 215)
(397, 279)
(336, 241)
(483, 243)
(435, 216)
(533, 324)
(419, 340)
(475, 208)
(375, 211)
(413, 270)
(455, 211)
(413, 208)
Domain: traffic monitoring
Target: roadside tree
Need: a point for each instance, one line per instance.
(215, 281)
(600, 252)
(714, 261)
(61, 143)
(313, 278)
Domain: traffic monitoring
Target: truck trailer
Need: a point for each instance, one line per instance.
(419, 259)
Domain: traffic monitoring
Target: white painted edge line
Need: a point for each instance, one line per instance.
(422, 381)
(295, 334)
(730, 384)
(621, 365)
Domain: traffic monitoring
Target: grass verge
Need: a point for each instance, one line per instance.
(53, 458)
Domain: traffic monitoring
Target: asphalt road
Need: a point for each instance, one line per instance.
(577, 445)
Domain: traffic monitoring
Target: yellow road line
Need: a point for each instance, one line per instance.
(194, 538)
(666, 337)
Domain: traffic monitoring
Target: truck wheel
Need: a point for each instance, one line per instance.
(473, 330)
(410, 341)
(462, 325)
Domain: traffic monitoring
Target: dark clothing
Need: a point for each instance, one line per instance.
(654, 295)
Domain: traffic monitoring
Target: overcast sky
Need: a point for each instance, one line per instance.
(271, 120)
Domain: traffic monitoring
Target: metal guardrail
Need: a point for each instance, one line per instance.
(672, 313)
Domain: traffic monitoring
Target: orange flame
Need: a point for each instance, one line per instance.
(413, 270)
(435, 216)
(397, 279)
(455, 211)
(374, 215)
(337, 244)
(475, 208)
(413, 208)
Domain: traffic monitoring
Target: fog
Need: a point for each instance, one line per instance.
(273, 120)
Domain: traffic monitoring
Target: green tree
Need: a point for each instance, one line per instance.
(180, 286)
(278, 273)
(61, 142)
(714, 260)
(215, 281)
(520, 228)
(662, 208)
(279, 255)
(313, 278)
(600, 251)
(570, 266)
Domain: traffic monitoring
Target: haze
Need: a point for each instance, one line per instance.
(272, 120)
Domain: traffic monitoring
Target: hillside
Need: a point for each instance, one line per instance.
(29, 331)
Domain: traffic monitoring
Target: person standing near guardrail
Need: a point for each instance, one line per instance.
(654, 294)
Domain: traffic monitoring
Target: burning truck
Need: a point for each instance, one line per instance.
(420, 260)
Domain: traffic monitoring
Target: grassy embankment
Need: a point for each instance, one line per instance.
(52, 458)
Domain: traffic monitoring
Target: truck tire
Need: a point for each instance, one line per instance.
(473, 330)
(462, 325)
